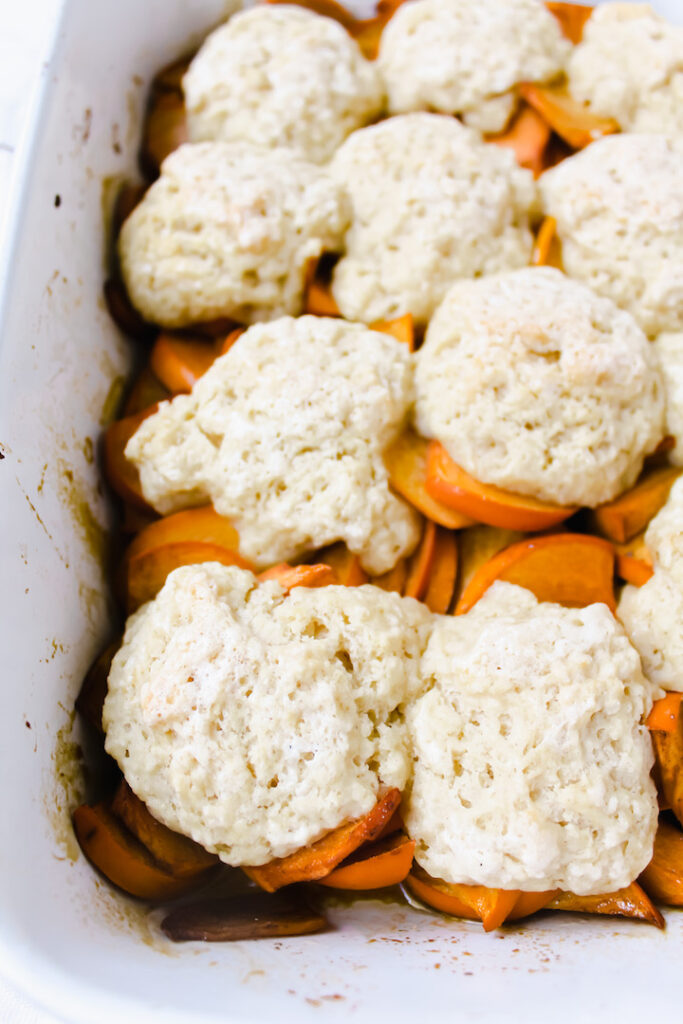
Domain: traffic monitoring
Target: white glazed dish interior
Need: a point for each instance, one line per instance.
(81, 950)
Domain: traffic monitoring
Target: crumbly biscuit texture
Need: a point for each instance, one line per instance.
(653, 614)
(629, 65)
(285, 435)
(669, 348)
(619, 211)
(652, 617)
(431, 203)
(537, 385)
(459, 57)
(227, 231)
(281, 76)
(255, 722)
(531, 767)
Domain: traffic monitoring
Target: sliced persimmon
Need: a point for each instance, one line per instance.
(318, 297)
(570, 119)
(127, 198)
(401, 328)
(634, 570)
(318, 860)
(406, 462)
(527, 136)
(547, 247)
(477, 546)
(375, 866)
(147, 390)
(572, 17)
(529, 903)
(290, 576)
(659, 457)
(451, 485)
(630, 513)
(473, 902)
(123, 313)
(122, 475)
(91, 697)
(662, 879)
(164, 129)
(420, 563)
(121, 857)
(395, 579)
(350, 572)
(170, 77)
(631, 901)
(179, 362)
(668, 770)
(173, 852)
(665, 713)
(185, 538)
(249, 915)
(441, 583)
(572, 569)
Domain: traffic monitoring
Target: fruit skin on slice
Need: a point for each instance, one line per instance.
(290, 576)
(668, 769)
(383, 863)
(421, 562)
(121, 474)
(527, 136)
(320, 858)
(665, 713)
(571, 569)
(631, 901)
(406, 463)
(178, 362)
(250, 915)
(173, 852)
(572, 121)
(449, 484)
(346, 565)
(572, 18)
(441, 584)
(620, 520)
(184, 538)
(473, 902)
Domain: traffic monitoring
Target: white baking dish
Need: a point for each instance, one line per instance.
(80, 949)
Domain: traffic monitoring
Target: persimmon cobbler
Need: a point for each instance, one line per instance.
(403, 561)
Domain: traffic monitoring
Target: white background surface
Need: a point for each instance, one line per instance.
(25, 28)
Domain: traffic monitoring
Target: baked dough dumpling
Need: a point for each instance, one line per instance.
(284, 435)
(619, 211)
(227, 231)
(534, 383)
(653, 614)
(431, 203)
(531, 766)
(629, 66)
(278, 75)
(255, 722)
(464, 57)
